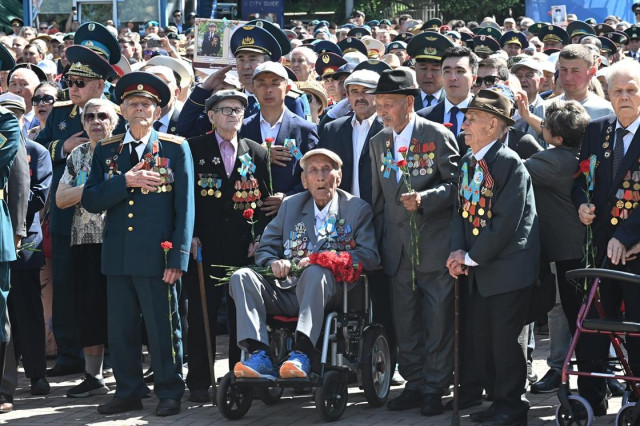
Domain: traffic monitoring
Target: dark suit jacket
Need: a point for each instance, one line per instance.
(523, 144)
(417, 101)
(507, 250)
(40, 170)
(18, 192)
(437, 191)
(603, 195)
(337, 137)
(9, 146)
(211, 44)
(285, 179)
(561, 232)
(225, 235)
(436, 114)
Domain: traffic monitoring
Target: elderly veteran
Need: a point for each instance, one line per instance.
(303, 222)
(144, 181)
(495, 247)
(87, 76)
(99, 119)
(224, 192)
(422, 291)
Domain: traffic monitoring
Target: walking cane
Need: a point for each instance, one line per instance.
(455, 416)
(207, 333)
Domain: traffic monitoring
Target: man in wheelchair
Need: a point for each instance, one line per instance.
(321, 218)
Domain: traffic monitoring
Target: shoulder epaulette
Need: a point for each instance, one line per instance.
(166, 137)
(112, 139)
(117, 108)
(62, 103)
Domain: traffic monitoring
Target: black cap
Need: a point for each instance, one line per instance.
(602, 29)
(433, 24)
(396, 45)
(323, 46)
(553, 33)
(608, 46)
(221, 95)
(516, 37)
(633, 33)
(143, 84)
(276, 32)
(42, 77)
(618, 37)
(403, 37)
(373, 65)
(255, 39)
(328, 63)
(352, 44)
(6, 60)
(489, 31)
(358, 32)
(485, 45)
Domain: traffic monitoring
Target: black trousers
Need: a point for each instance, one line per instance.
(380, 292)
(27, 321)
(491, 356)
(593, 350)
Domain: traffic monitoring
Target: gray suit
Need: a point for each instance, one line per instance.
(307, 295)
(422, 319)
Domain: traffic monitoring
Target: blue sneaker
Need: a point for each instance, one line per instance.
(296, 367)
(258, 366)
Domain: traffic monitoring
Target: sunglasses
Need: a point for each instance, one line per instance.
(489, 80)
(43, 28)
(80, 84)
(90, 116)
(45, 99)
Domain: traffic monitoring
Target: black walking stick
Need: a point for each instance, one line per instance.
(455, 416)
(207, 333)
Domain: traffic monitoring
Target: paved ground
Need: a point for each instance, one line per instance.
(56, 409)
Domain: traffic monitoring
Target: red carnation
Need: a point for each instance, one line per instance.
(166, 245)
(269, 140)
(402, 163)
(585, 166)
(448, 125)
(248, 214)
(402, 149)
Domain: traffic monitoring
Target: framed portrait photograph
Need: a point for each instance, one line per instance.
(559, 15)
(212, 37)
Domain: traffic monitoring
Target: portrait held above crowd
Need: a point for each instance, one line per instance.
(374, 203)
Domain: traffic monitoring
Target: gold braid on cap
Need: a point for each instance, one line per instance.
(81, 70)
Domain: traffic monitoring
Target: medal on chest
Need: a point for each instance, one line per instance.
(421, 157)
(475, 195)
(298, 244)
(210, 185)
(247, 193)
(628, 196)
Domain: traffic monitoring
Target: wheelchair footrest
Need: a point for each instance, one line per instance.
(611, 325)
(256, 382)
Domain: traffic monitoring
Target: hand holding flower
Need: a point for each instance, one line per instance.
(411, 201)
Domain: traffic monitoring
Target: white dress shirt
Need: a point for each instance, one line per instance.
(267, 130)
(164, 121)
(632, 128)
(478, 156)
(403, 139)
(447, 111)
(321, 216)
(359, 137)
(128, 139)
(436, 98)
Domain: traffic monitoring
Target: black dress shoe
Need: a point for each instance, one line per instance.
(40, 386)
(64, 370)
(616, 388)
(549, 383)
(168, 407)
(407, 400)
(502, 419)
(199, 395)
(465, 401)
(481, 416)
(119, 405)
(431, 405)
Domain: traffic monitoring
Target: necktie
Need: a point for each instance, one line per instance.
(228, 156)
(429, 99)
(157, 125)
(453, 119)
(134, 154)
(618, 150)
(472, 163)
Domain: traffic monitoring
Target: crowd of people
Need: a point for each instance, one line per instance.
(429, 152)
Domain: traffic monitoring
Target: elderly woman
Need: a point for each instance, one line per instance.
(303, 61)
(45, 95)
(317, 98)
(99, 118)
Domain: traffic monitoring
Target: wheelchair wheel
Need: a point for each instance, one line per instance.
(271, 396)
(331, 397)
(625, 415)
(233, 401)
(376, 366)
(578, 404)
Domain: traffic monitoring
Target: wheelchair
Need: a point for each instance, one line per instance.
(617, 331)
(355, 352)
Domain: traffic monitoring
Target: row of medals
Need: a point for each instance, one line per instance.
(211, 182)
(247, 194)
(421, 166)
(468, 206)
(166, 179)
(627, 199)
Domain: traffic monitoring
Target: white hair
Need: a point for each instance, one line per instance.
(310, 56)
(164, 71)
(627, 66)
(354, 57)
(99, 102)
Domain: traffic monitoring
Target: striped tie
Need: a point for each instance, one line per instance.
(618, 150)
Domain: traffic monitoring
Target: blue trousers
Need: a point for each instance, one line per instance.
(129, 300)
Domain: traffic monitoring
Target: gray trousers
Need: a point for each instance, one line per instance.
(255, 297)
(423, 322)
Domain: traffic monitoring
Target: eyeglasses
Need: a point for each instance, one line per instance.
(90, 116)
(229, 110)
(489, 80)
(43, 28)
(45, 99)
(80, 84)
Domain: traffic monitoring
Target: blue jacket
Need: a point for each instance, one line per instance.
(285, 179)
(137, 223)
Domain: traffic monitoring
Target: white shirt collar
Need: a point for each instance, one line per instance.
(128, 138)
(436, 94)
(29, 116)
(321, 214)
(166, 118)
(448, 105)
(632, 128)
(480, 154)
(262, 120)
(355, 122)
(407, 131)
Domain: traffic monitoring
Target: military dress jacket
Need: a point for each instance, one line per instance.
(9, 144)
(137, 221)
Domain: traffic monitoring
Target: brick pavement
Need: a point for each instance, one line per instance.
(56, 409)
